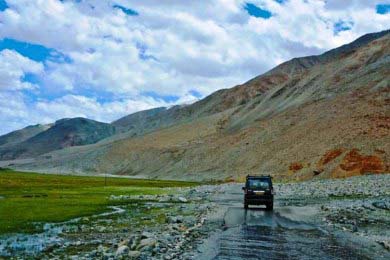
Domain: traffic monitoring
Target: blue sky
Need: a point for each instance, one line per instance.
(383, 8)
(3, 5)
(33, 51)
(127, 11)
(257, 11)
(107, 59)
(342, 26)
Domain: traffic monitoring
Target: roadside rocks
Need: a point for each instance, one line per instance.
(354, 214)
(170, 241)
(385, 244)
(122, 250)
(362, 186)
(182, 199)
(183, 226)
(134, 254)
(175, 219)
(147, 242)
(356, 207)
(156, 198)
(146, 234)
(382, 204)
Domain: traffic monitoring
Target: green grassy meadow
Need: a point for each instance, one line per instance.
(29, 199)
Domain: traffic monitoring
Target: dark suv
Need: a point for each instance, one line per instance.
(259, 191)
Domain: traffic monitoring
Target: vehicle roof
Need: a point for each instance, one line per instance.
(258, 177)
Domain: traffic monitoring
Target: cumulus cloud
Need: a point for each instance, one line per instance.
(17, 112)
(13, 67)
(81, 106)
(114, 57)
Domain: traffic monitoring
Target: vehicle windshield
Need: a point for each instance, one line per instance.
(257, 184)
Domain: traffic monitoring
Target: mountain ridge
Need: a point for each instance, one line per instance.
(22, 134)
(63, 133)
(258, 125)
(269, 78)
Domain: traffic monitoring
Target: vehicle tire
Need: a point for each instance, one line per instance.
(245, 206)
(270, 206)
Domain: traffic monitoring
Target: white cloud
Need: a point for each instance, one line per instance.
(13, 67)
(349, 4)
(171, 48)
(17, 113)
(13, 112)
(81, 106)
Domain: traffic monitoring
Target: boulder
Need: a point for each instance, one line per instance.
(381, 205)
(147, 242)
(134, 254)
(146, 234)
(122, 250)
(182, 199)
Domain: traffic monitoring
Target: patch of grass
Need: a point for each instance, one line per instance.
(30, 198)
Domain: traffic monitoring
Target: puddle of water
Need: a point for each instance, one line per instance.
(115, 211)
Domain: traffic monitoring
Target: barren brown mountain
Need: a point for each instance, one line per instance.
(319, 116)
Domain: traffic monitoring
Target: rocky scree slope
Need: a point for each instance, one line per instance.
(222, 100)
(313, 117)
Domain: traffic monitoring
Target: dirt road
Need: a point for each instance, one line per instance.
(288, 232)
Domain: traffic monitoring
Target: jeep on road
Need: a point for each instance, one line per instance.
(259, 191)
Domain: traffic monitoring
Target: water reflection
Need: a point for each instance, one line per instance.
(259, 234)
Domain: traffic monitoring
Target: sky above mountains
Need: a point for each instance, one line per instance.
(106, 59)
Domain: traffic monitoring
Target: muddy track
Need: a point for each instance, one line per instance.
(287, 232)
(269, 235)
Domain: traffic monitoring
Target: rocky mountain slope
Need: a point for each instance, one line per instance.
(63, 133)
(318, 116)
(22, 134)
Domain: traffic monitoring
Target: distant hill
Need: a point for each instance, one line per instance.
(63, 133)
(324, 116)
(22, 134)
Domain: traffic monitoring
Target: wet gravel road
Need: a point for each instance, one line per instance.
(254, 234)
(319, 219)
(279, 234)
